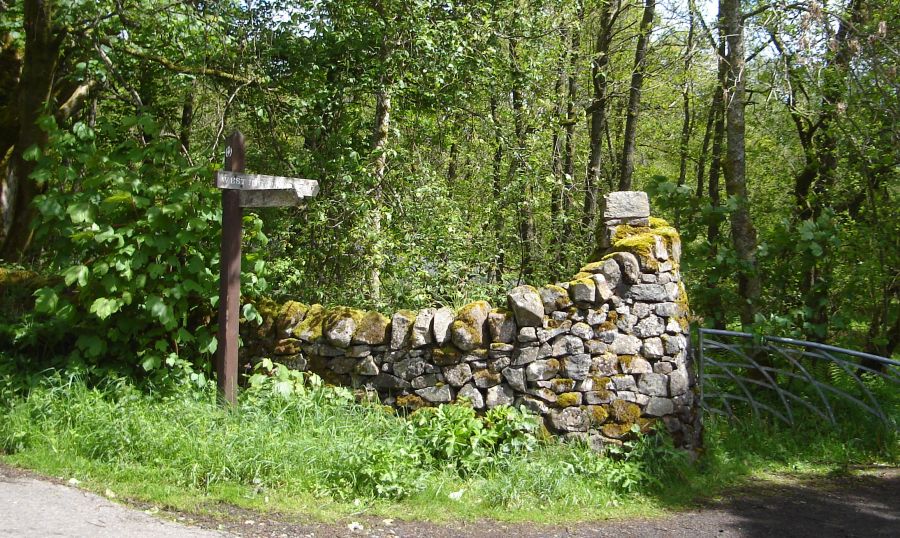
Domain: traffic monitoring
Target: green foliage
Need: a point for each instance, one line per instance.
(766, 444)
(452, 435)
(291, 432)
(132, 231)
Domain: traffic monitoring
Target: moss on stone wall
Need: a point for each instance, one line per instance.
(310, 329)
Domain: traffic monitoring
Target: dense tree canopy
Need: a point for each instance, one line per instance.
(460, 148)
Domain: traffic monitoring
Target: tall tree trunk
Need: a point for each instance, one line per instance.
(687, 120)
(379, 148)
(626, 167)
(453, 165)
(187, 119)
(497, 191)
(704, 148)
(597, 110)
(42, 48)
(716, 308)
(819, 274)
(10, 70)
(516, 166)
(567, 200)
(743, 232)
(556, 141)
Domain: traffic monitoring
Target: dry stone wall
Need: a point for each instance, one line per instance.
(597, 357)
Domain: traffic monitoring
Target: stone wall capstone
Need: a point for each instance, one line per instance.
(595, 356)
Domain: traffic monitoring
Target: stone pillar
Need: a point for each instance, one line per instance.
(624, 207)
(652, 313)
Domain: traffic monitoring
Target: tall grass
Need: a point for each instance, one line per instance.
(299, 446)
(308, 445)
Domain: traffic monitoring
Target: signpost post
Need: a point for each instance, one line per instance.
(241, 190)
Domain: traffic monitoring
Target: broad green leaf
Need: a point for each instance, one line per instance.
(81, 212)
(76, 273)
(118, 198)
(156, 269)
(46, 301)
(104, 307)
(91, 345)
(161, 311)
(151, 362)
(82, 131)
(33, 153)
(210, 346)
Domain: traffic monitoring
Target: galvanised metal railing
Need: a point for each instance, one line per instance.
(780, 375)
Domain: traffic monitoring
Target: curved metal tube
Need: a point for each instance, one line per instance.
(793, 352)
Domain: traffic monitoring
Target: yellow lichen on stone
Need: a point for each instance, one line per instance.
(487, 377)
(600, 383)
(267, 308)
(616, 431)
(562, 384)
(411, 402)
(625, 412)
(583, 278)
(446, 356)
(568, 399)
(338, 313)
(641, 241)
(268, 312)
(562, 300)
(310, 329)
(21, 281)
(592, 268)
(646, 424)
(289, 315)
(468, 323)
(599, 414)
(466, 313)
(682, 301)
(638, 240)
(372, 328)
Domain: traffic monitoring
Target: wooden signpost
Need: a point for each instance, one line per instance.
(241, 190)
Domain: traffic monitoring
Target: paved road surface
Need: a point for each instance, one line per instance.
(37, 508)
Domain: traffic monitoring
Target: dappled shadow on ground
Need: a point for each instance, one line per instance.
(862, 504)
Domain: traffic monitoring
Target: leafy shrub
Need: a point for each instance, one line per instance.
(453, 436)
(132, 230)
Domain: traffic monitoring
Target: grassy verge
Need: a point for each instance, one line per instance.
(306, 449)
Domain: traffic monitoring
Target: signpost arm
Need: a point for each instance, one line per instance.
(230, 275)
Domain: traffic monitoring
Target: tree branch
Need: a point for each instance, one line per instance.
(74, 101)
(186, 69)
(767, 7)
